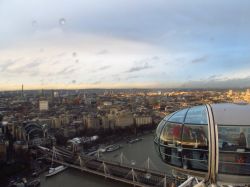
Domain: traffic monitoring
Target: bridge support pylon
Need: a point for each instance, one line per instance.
(104, 169)
(81, 163)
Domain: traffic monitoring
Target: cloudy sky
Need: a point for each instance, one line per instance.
(124, 43)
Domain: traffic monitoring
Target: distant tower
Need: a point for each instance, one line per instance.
(1, 119)
(52, 94)
(22, 91)
(43, 94)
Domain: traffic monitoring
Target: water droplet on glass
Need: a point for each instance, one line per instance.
(34, 23)
(211, 39)
(62, 21)
(74, 54)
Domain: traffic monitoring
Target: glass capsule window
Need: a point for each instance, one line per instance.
(179, 116)
(185, 144)
(234, 149)
(195, 139)
(197, 115)
(159, 129)
(171, 134)
(195, 147)
(157, 135)
(170, 141)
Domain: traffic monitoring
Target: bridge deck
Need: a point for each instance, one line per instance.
(114, 170)
(108, 176)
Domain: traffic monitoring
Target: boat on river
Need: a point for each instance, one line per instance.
(112, 148)
(134, 140)
(53, 171)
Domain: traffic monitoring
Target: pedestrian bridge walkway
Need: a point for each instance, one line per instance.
(117, 171)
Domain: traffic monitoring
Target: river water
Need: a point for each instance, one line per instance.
(134, 154)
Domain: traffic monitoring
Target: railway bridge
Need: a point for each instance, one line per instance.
(117, 171)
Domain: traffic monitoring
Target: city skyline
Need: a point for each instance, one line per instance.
(124, 44)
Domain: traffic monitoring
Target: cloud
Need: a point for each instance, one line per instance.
(96, 82)
(200, 60)
(103, 68)
(116, 77)
(33, 64)
(215, 82)
(155, 58)
(6, 65)
(61, 54)
(33, 74)
(132, 77)
(17, 67)
(67, 70)
(103, 52)
(57, 62)
(214, 77)
(139, 68)
(124, 38)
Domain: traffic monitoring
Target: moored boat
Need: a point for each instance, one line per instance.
(53, 171)
(134, 140)
(34, 183)
(113, 148)
(58, 169)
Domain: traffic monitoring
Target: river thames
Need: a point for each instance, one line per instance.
(135, 154)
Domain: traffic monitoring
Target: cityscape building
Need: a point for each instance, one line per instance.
(43, 105)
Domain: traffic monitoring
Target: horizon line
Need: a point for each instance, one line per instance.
(126, 88)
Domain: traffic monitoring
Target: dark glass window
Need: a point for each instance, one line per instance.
(185, 145)
(195, 136)
(171, 155)
(171, 134)
(234, 146)
(195, 147)
(178, 117)
(170, 141)
(157, 135)
(159, 129)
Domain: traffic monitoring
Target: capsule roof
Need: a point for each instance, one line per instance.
(231, 114)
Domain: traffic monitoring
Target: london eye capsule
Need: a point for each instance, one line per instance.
(211, 142)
